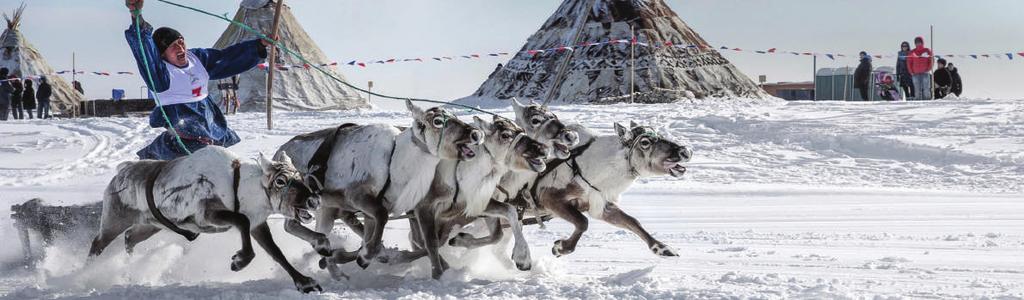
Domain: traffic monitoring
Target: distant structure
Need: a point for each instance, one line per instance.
(790, 90)
(23, 60)
(677, 64)
(297, 89)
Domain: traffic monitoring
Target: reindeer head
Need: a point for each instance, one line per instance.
(287, 192)
(509, 145)
(545, 127)
(650, 154)
(444, 135)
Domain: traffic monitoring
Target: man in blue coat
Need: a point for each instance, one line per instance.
(179, 80)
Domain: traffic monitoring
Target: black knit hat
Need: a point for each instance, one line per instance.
(164, 37)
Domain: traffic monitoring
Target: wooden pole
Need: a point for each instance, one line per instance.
(271, 57)
(814, 77)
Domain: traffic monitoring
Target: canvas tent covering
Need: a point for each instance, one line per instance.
(24, 61)
(296, 89)
(601, 73)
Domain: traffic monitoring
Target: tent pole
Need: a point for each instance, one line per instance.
(271, 57)
(814, 77)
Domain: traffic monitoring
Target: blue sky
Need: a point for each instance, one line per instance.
(362, 30)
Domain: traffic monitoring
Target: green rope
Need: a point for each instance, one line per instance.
(315, 66)
(145, 62)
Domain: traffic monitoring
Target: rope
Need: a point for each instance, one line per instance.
(149, 75)
(316, 66)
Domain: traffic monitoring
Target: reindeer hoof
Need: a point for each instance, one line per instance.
(191, 236)
(241, 259)
(305, 284)
(560, 249)
(322, 246)
(362, 262)
(663, 250)
(523, 266)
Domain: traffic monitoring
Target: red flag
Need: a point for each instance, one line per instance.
(361, 65)
(391, 60)
(334, 63)
(878, 56)
(772, 50)
(305, 66)
(737, 49)
(475, 55)
(262, 66)
(808, 53)
(1021, 54)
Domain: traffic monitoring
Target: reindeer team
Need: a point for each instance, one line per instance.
(440, 172)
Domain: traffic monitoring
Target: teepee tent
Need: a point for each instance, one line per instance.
(296, 89)
(22, 60)
(660, 70)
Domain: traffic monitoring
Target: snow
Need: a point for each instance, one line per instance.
(782, 200)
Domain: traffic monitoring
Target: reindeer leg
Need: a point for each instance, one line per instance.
(318, 240)
(431, 243)
(115, 220)
(262, 235)
(243, 257)
(325, 217)
(615, 216)
(376, 216)
(467, 240)
(352, 221)
(563, 208)
(138, 233)
(520, 249)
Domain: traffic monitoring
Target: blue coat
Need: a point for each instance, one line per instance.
(198, 123)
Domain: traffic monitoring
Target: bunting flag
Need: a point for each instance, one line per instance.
(634, 41)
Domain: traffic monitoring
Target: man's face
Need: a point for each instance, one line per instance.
(175, 53)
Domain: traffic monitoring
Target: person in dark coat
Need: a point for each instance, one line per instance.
(943, 80)
(862, 76)
(5, 95)
(43, 95)
(958, 85)
(28, 98)
(903, 72)
(16, 108)
(179, 78)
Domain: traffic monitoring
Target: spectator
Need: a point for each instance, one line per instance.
(903, 73)
(958, 85)
(16, 108)
(919, 62)
(28, 99)
(862, 76)
(43, 95)
(5, 95)
(943, 80)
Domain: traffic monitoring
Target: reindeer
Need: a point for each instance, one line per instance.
(377, 170)
(461, 192)
(210, 191)
(599, 171)
(539, 123)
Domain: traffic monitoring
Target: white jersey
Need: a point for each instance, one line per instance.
(187, 84)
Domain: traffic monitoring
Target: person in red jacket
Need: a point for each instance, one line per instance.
(919, 61)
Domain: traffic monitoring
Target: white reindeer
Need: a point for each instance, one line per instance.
(377, 170)
(461, 193)
(600, 170)
(210, 191)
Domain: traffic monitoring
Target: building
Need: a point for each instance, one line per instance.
(790, 90)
